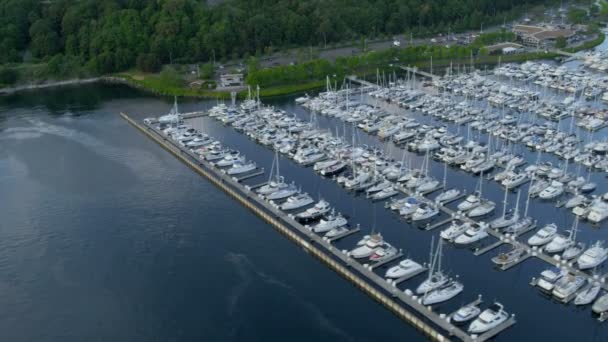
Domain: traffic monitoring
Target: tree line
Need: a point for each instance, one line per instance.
(112, 35)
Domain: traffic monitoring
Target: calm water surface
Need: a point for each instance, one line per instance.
(105, 236)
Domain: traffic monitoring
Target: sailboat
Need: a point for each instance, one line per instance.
(576, 248)
(446, 195)
(275, 181)
(485, 205)
(436, 277)
(507, 218)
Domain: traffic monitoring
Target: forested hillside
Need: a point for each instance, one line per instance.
(110, 35)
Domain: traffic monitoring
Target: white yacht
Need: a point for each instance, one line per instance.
(489, 319)
(601, 304)
(385, 193)
(283, 193)
(567, 286)
(240, 168)
(598, 212)
(447, 196)
(331, 222)
(552, 191)
(443, 293)
(272, 186)
(465, 313)
(573, 251)
(385, 252)
(543, 235)
(509, 257)
(593, 256)
(548, 278)
(559, 243)
(336, 231)
(473, 234)
(367, 246)
(472, 201)
(424, 212)
(484, 208)
(436, 278)
(320, 209)
(454, 230)
(296, 202)
(403, 269)
(229, 160)
(588, 295)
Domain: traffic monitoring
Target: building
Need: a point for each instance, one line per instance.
(541, 36)
(231, 80)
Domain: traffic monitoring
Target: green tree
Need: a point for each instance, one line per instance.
(560, 43)
(8, 76)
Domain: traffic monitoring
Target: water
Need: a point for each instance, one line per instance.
(104, 235)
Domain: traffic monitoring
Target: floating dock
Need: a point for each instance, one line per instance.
(363, 278)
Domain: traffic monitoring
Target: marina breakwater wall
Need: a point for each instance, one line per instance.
(241, 194)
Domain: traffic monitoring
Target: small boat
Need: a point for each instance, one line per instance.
(588, 295)
(447, 196)
(476, 232)
(573, 251)
(239, 168)
(383, 253)
(331, 222)
(296, 202)
(403, 269)
(320, 209)
(454, 230)
(484, 208)
(593, 256)
(367, 246)
(567, 286)
(519, 226)
(601, 304)
(509, 257)
(283, 193)
(469, 203)
(489, 319)
(552, 191)
(424, 212)
(465, 314)
(443, 293)
(558, 244)
(548, 278)
(384, 194)
(336, 231)
(543, 236)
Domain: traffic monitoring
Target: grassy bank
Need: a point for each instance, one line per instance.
(588, 45)
(156, 85)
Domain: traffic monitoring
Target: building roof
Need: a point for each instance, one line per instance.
(529, 29)
(554, 34)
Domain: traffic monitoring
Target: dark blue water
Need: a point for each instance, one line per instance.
(105, 236)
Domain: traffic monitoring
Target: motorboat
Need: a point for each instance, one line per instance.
(575, 201)
(559, 243)
(296, 202)
(588, 295)
(504, 259)
(447, 196)
(320, 209)
(239, 168)
(593, 256)
(454, 230)
(331, 222)
(333, 169)
(543, 235)
(443, 293)
(409, 207)
(465, 314)
(474, 233)
(598, 212)
(573, 251)
(489, 319)
(367, 246)
(405, 268)
(383, 253)
(424, 212)
(229, 160)
(552, 191)
(336, 232)
(283, 193)
(472, 201)
(548, 278)
(601, 304)
(506, 220)
(567, 286)
(384, 194)
(484, 208)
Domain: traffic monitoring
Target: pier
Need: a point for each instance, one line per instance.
(360, 276)
(419, 72)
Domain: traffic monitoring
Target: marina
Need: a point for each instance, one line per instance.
(242, 194)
